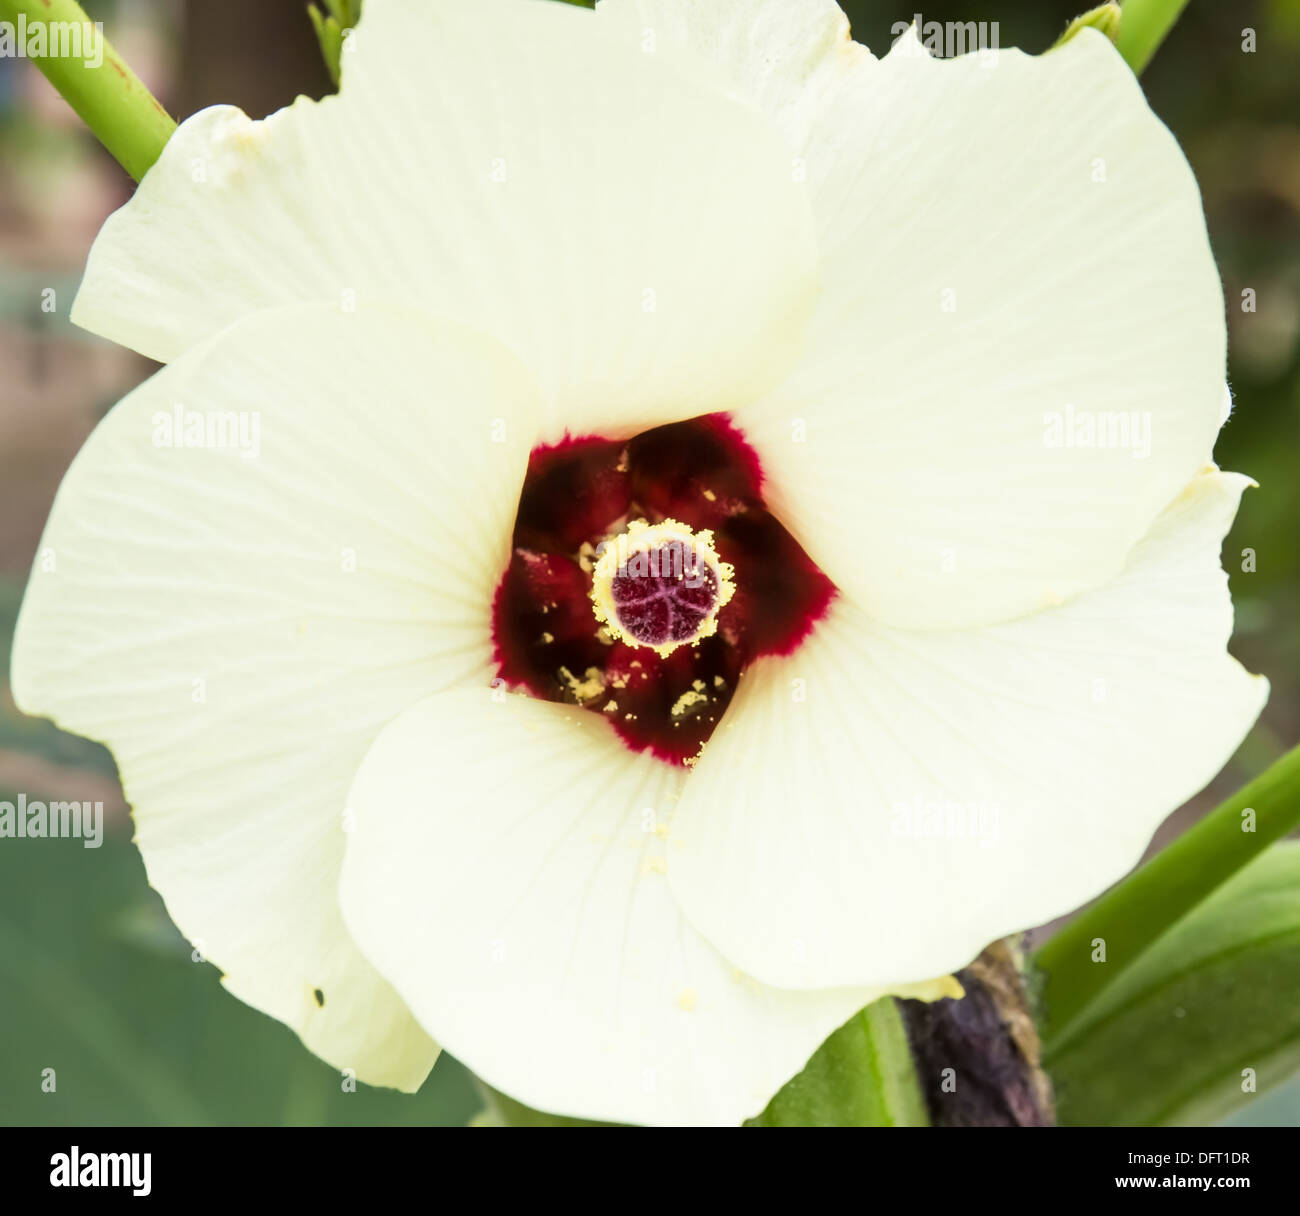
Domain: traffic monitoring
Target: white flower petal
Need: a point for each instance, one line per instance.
(636, 237)
(1225, 411)
(789, 58)
(1043, 753)
(238, 629)
(1006, 240)
(507, 877)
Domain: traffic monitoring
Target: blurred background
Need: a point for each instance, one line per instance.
(95, 982)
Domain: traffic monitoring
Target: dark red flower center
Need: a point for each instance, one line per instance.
(661, 597)
(659, 670)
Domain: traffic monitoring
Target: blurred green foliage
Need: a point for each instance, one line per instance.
(96, 984)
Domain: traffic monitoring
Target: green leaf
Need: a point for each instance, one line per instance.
(1135, 913)
(1169, 1040)
(862, 1076)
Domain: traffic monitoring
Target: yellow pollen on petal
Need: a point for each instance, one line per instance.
(690, 697)
(591, 688)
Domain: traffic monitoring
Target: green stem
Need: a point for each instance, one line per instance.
(1133, 915)
(1143, 27)
(110, 99)
(1105, 17)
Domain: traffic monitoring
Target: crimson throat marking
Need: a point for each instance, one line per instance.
(620, 594)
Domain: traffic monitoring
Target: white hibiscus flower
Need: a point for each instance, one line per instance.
(853, 317)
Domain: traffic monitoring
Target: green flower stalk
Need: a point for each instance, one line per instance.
(1105, 17)
(93, 78)
(1144, 27)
